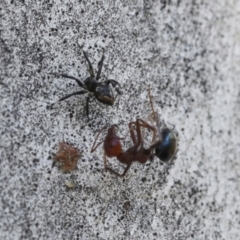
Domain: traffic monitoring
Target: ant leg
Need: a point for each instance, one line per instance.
(100, 64)
(140, 123)
(150, 98)
(133, 136)
(139, 140)
(105, 161)
(68, 96)
(115, 85)
(94, 147)
(142, 154)
(146, 125)
(118, 174)
(89, 63)
(154, 115)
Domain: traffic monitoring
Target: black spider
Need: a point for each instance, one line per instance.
(101, 90)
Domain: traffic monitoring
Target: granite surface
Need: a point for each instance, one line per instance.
(189, 54)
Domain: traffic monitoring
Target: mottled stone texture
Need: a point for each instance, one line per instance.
(187, 51)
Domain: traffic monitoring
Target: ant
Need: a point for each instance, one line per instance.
(165, 146)
(113, 148)
(101, 90)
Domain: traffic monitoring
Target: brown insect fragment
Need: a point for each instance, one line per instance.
(67, 156)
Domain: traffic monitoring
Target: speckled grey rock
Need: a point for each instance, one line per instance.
(187, 51)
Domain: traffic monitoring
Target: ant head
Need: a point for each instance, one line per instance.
(112, 144)
(165, 148)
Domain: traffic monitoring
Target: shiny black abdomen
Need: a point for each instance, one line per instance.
(104, 95)
(166, 148)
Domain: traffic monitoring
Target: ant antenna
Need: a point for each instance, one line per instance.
(115, 125)
(150, 97)
(151, 102)
(154, 114)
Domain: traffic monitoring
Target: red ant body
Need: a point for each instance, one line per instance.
(163, 148)
(113, 148)
(112, 144)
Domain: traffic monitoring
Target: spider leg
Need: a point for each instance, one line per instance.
(87, 106)
(116, 85)
(71, 77)
(68, 96)
(100, 64)
(90, 64)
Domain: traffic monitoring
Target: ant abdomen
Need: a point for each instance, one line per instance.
(166, 147)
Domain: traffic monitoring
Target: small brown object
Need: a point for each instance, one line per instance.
(67, 156)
